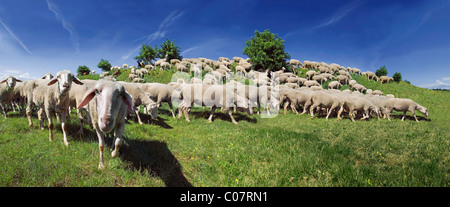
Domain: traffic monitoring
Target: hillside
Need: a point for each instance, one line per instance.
(289, 150)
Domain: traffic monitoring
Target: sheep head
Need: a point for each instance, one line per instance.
(10, 81)
(64, 79)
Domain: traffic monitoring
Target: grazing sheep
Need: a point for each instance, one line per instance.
(355, 103)
(325, 100)
(359, 87)
(108, 112)
(7, 92)
(377, 92)
(371, 76)
(403, 104)
(311, 83)
(385, 79)
(319, 78)
(310, 74)
(132, 76)
(138, 80)
(139, 98)
(342, 79)
(212, 96)
(174, 61)
(160, 93)
(351, 83)
(52, 98)
(334, 85)
(295, 98)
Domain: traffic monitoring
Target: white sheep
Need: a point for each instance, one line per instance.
(108, 112)
(161, 93)
(325, 100)
(403, 104)
(52, 98)
(334, 85)
(140, 97)
(7, 92)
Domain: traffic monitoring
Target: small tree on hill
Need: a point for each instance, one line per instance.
(397, 77)
(382, 71)
(169, 50)
(266, 51)
(83, 70)
(147, 54)
(104, 65)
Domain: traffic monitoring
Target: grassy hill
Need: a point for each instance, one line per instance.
(289, 150)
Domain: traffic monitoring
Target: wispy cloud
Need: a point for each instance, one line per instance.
(339, 14)
(17, 74)
(444, 83)
(160, 33)
(15, 37)
(74, 39)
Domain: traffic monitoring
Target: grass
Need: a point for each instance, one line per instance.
(289, 150)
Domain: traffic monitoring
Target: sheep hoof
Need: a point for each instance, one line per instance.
(101, 166)
(114, 153)
(67, 144)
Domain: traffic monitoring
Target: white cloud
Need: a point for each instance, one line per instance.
(160, 33)
(17, 74)
(74, 39)
(15, 37)
(444, 83)
(339, 14)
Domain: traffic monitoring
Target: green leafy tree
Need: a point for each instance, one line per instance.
(266, 51)
(382, 71)
(169, 49)
(147, 54)
(104, 65)
(83, 70)
(397, 77)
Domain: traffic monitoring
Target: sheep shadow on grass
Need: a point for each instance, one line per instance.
(410, 117)
(222, 116)
(144, 155)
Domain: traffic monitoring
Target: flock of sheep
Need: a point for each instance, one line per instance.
(106, 103)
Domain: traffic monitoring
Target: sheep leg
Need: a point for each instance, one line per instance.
(136, 113)
(213, 108)
(101, 146)
(350, 114)
(414, 114)
(64, 127)
(231, 116)
(41, 118)
(339, 113)
(81, 117)
(285, 107)
(118, 142)
(403, 117)
(50, 125)
(186, 114)
(171, 108)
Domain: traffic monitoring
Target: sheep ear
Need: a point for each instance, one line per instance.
(128, 101)
(87, 97)
(17, 80)
(3, 81)
(77, 81)
(52, 81)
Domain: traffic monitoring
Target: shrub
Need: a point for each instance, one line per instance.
(83, 70)
(397, 77)
(382, 71)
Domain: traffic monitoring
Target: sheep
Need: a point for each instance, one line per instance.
(310, 74)
(75, 97)
(139, 73)
(342, 79)
(132, 76)
(354, 102)
(174, 61)
(140, 97)
(385, 79)
(148, 67)
(212, 96)
(52, 98)
(377, 92)
(334, 85)
(355, 71)
(403, 104)
(295, 62)
(240, 69)
(319, 78)
(310, 65)
(297, 97)
(7, 92)
(328, 76)
(108, 112)
(352, 82)
(47, 76)
(371, 76)
(160, 93)
(359, 87)
(311, 83)
(164, 65)
(138, 80)
(124, 66)
(325, 100)
(144, 71)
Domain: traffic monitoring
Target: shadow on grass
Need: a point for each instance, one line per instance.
(409, 117)
(222, 116)
(149, 156)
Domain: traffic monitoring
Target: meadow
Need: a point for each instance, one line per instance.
(288, 150)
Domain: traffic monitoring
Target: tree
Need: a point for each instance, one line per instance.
(266, 51)
(147, 54)
(83, 70)
(397, 77)
(382, 71)
(169, 49)
(104, 65)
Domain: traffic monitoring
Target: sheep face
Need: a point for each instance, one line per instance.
(423, 110)
(64, 79)
(111, 97)
(153, 110)
(10, 81)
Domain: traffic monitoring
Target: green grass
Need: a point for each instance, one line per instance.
(289, 150)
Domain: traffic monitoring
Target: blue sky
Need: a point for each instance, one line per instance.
(410, 37)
